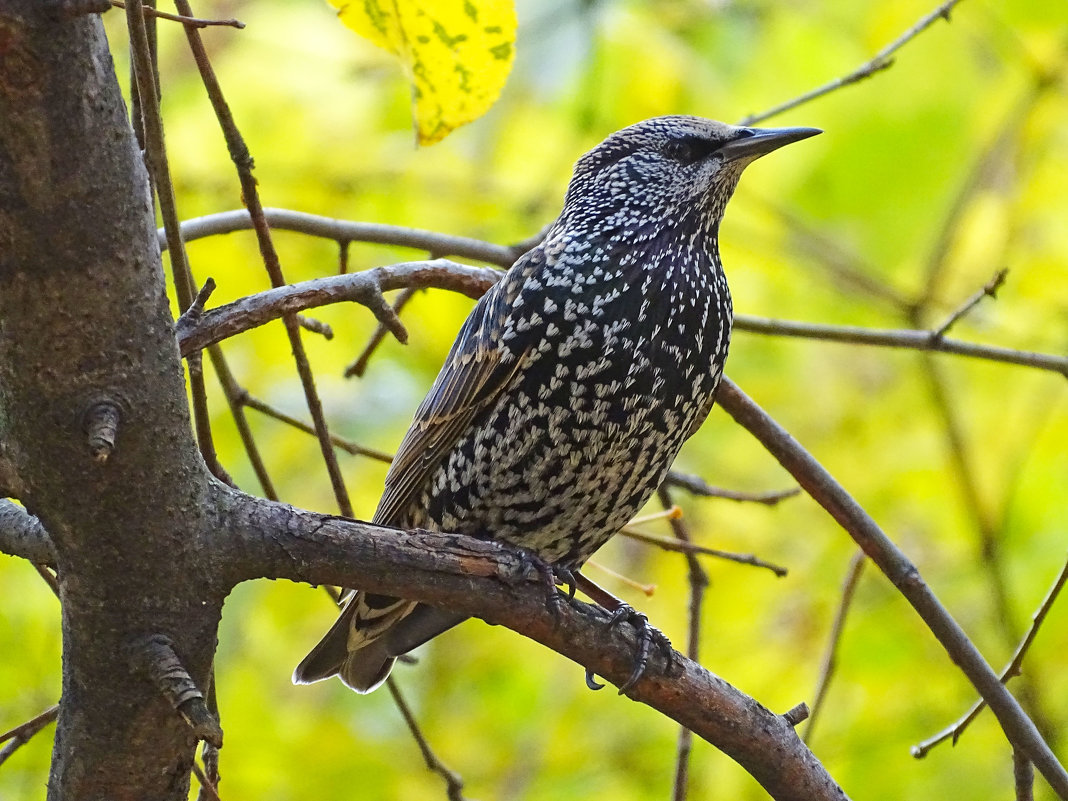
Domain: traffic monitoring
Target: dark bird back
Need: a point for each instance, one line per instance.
(576, 379)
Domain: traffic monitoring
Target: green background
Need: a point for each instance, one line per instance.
(963, 140)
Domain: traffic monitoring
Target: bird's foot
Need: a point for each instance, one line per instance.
(648, 635)
(551, 576)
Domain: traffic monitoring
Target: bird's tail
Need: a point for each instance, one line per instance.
(365, 640)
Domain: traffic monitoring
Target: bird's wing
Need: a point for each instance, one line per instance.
(477, 369)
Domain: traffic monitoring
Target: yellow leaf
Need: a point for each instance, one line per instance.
(456, 53)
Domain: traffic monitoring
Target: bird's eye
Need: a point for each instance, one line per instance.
(689, 149)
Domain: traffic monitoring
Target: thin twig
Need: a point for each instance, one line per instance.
(315, 326)
(193, 21)
(359, 364)
(648, 590)
(243, 162)
(345, 444)
(880, 61)
(206, 785)
(143, 59)
(687, 547)
(989, 290)
(698, 580)
(20, 735)
(904, 575)
(235, 395)
(900, 338)
(695, 485)
(344, 231)
(954, 731)
(1023, 776)
(830, 656)
(454, 784)
(209, 754)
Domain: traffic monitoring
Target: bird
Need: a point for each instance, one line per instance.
(576, 379)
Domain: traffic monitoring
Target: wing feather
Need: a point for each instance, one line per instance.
(477, 369)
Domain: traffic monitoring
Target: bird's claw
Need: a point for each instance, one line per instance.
(647, 636)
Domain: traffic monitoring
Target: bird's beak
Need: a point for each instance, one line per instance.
(752, 143)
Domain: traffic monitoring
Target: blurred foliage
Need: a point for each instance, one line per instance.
(931, 176)
(456, 53)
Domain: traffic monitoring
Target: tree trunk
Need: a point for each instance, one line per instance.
(86, 336)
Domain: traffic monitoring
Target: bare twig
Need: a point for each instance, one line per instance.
(954, 731)
(698, 580)
(454, 783)
(900, 338)
(648, 590)
(315, 326)
(192, 21)
(196, 308)
(830, 656)
(144, 67)
(345, 231)
(695, 485)
(235, 395)
(691, 548)
(207, 786)
(880, 61)
(1023, 776)
(346, 445)
(20, 735)
(826, 491)
(359, 365)
(242, 160)
(989, 290)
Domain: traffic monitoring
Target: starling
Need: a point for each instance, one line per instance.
(576, 379)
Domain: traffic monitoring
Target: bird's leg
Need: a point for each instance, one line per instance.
(551, 576)
(647, 634)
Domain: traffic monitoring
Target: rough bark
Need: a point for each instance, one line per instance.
(85, 322)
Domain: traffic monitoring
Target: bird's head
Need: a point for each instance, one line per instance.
(668, 168)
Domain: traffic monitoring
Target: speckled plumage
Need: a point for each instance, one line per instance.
(575, 380)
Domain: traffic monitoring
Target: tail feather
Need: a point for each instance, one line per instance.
(365, 640)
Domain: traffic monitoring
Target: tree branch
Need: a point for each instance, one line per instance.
(879, 62)
(823, 488)
(366, 287)
(344, 231)
(479, 578)
(22, 534)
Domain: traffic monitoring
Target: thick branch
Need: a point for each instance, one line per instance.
(823, 488)
(21, 534)
(363, 287)
(479, 578)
